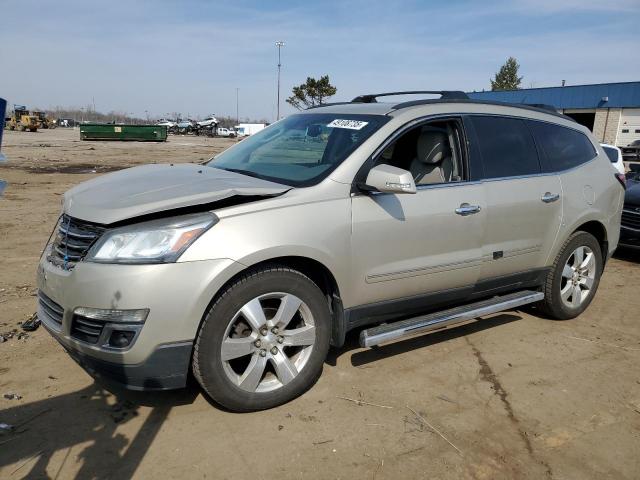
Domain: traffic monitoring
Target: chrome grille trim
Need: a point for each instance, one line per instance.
(73, 239)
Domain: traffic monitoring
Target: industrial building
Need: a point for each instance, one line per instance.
(610, 110)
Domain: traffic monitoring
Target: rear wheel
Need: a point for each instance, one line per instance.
(574, 278)
(264, 340)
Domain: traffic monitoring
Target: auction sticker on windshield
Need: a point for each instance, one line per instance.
(350, 124)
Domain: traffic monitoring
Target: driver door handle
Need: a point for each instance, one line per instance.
(466, 209)
(549, 197)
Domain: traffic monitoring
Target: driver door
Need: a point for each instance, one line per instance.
(411, 250)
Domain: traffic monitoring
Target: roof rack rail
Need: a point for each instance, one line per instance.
(543, 106)
(444, 95)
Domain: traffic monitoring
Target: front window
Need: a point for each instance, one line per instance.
(300, 150)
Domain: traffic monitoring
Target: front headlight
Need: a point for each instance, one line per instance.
(157, 241)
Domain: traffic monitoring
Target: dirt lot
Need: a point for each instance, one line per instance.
(512, 396)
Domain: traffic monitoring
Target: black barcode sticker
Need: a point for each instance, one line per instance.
(350, 124)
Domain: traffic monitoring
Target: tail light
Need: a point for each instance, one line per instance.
(622, 179)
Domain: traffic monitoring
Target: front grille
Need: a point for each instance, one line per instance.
(631, 219)
(86, 329)
(51, 309)
(72, 241)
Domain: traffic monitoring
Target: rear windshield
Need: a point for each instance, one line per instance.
(300, 150)
(612, 153)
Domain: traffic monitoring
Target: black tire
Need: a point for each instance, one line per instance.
(553, 305)
(207, 362)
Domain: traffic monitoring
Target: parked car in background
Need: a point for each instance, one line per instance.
(172, 127)
(615, 155)
(630, 224)
(246, 129)
(400, 218)
(225, 132)
(631, 153)
(166, 123)
(210, 120)
(185, 127)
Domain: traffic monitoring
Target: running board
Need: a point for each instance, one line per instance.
(445, 318)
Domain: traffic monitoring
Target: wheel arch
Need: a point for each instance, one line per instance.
(599, 231)
(319, 274)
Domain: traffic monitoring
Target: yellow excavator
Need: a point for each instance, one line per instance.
(43, 121)
(22, 120)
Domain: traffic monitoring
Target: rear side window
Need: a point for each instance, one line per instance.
(563, 147)
(506, 146)
(612, 153)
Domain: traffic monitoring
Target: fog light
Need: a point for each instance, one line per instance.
(108, 315)
(121, 338)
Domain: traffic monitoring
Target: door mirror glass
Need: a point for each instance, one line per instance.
(385, 178)
(313, 131)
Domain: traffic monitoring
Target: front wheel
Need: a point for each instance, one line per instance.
(264, 340)
(574, 278)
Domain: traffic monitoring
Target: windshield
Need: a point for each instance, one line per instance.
(300, 150)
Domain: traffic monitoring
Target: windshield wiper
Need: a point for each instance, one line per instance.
(242, 172)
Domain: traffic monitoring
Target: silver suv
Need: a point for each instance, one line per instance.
(395, 217)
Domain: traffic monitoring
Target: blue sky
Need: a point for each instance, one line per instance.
(190, 56)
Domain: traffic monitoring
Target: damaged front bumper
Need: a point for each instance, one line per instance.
(158, 354)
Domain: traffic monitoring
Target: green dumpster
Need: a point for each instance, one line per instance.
(110, 131)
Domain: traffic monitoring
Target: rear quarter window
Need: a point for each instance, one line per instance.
(612, 153)
(506, 147)
(563, 148)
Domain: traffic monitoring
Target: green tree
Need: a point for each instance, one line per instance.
(507, 77)
(311, 93)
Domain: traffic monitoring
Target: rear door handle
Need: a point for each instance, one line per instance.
(550, 197)
(466, 209)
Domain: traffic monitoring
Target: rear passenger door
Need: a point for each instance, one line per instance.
(524, 207)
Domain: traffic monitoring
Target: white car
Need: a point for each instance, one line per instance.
(615, 155)
(167, 123)
(226, 132)
(210, 120)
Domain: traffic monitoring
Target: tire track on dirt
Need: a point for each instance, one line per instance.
(488, 375)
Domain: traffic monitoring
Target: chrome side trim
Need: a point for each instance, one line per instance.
(414, 272)
(439, 320)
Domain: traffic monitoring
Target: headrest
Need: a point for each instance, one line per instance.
(433, 146)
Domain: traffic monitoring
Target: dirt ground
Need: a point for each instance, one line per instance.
(511, 396)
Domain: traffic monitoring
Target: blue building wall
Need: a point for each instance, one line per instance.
(621, 95)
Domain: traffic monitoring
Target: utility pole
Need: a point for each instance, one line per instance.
(279, 44)
(237, 109)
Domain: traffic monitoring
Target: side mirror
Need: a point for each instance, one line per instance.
(385, 178)
(313, 131)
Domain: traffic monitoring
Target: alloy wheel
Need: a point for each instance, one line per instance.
(578, 277)
(268, 342)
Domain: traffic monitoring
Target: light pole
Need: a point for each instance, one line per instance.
(237, 109)
(279, 44)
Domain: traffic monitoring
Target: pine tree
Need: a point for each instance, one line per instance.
(311, 93)
(507, 77)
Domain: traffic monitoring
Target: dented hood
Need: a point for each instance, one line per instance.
(155, 188)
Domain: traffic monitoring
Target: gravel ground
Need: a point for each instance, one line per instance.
(511, 396)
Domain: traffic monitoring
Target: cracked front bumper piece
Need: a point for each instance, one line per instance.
(131, 325)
